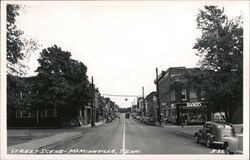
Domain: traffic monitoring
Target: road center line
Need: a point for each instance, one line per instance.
(123, 140)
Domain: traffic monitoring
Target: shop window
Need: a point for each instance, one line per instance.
(184, 94)
(193, 95)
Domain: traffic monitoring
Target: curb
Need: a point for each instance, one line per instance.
(38, 143)
(176, 126)
(89, 125)
(41, 142)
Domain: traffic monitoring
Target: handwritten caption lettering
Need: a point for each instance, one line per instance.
(73, 151)
(218, 151)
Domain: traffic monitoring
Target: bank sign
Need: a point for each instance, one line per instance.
(193, 104)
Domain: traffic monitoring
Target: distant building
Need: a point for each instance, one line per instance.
(140, 108)
(151, 107)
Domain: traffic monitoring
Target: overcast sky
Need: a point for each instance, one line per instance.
(121, 43)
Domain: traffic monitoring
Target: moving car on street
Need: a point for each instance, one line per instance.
(127, 115)
(218, 133)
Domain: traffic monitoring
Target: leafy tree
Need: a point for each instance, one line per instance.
(220, 49)
(62, 82)
(14, 88)
(18, 47)
(20, 95)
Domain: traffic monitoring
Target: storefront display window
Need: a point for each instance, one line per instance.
(172, 115)
(196, 116)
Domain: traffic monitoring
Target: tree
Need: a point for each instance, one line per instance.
(220, 49)
(62, 82)
(18, 47)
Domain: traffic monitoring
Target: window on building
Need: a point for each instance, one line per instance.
(48, 113)
(24, 114)
(18, 114)
(203, 93)
(172, 95)
(55, 113)
(43, 113)
(193, 95)
(184, 94)
(32, 115)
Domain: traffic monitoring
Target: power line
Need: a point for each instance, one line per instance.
(119, 95)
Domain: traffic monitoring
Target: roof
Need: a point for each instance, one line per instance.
(218, 122)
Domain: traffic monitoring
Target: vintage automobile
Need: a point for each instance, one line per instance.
(109, 119)
(220, 134)
(127, 115)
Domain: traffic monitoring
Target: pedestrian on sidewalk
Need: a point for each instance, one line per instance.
(182, 120)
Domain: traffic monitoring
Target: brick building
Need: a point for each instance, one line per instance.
(179, 102)
(151, 107)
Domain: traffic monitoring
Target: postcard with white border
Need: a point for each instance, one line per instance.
(124, 80)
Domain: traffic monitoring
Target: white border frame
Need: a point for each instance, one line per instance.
(3, 97)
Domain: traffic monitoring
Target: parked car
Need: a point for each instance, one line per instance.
(218, 133)
(239, 135)
(109, 119)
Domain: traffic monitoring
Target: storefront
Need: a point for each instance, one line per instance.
(171, 114)
(188, 113)
(194, 115)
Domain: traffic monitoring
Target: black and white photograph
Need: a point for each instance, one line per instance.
(125, 80)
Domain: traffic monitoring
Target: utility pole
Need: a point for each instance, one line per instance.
(181, 108)
(37, 112)
(143, 101)
(132, 107)
(158, 97)
(92, 102)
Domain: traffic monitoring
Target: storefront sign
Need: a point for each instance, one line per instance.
(193, 104)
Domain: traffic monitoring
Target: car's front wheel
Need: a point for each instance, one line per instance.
(208, 142)
(196, 137)
(226, 148)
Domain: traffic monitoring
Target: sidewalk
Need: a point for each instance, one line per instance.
(189, 130)
(55, 137)
(38, 143)
(96, 124)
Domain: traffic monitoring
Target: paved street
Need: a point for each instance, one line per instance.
(131, 136)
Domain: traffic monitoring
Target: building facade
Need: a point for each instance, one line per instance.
(179, 102)
(151, 107)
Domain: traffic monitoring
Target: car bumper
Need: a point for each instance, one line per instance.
(217, 142)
